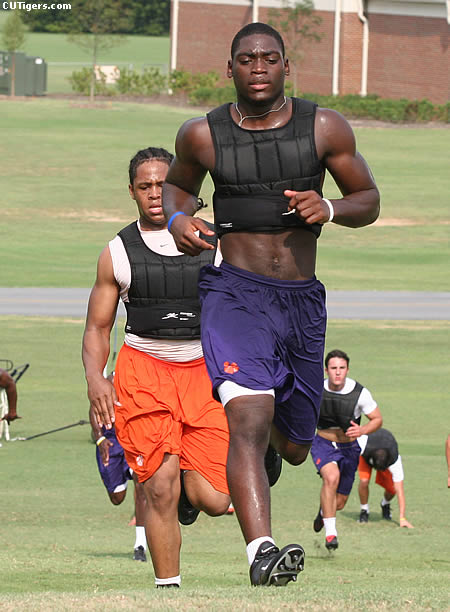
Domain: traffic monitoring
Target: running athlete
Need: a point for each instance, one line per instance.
(161, 402)
(263, 310)
(335, 449)
(115, 474)
(379, 450)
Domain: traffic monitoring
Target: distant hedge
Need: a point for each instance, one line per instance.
(202, 89)
(384, 109)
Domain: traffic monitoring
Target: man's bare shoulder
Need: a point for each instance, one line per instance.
(5, 378)
(194, 128)
(333, 132)
(194, 143)
(105, 269)
(329, 119)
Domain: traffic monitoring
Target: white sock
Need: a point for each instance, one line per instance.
(365, 507)
(141, 539)
(174, 580)
(252, 547)
(330, 526)
(385, 502)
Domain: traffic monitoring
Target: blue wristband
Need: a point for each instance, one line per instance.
(180, 212)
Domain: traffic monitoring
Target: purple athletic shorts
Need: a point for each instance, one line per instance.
(346, 455)
(263, 333)
(117, 473)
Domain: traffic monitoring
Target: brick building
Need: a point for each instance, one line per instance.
(395, 48)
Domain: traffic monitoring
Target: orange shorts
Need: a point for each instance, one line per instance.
(168, 407)
(383, 478)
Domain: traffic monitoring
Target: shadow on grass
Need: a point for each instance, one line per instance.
(374, 517)
(320, 552)
(114, 555)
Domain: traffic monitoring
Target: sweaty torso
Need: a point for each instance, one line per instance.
(335, 435)
(286, 255)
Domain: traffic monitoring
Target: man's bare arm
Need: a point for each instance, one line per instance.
(375, 422)
(193, 150)
(102, 309)
(399, 489)
(361, 202)
(8, 383)
(336, 146)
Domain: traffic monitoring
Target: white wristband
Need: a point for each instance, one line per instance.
(330, 208)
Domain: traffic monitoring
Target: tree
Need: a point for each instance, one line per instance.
(147, 17)
(151, 17)
(13, 39)
(48, 20)
(95, 28)
(299, 24)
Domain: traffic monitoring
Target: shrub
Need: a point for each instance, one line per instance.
(382, 109)
(421, 110)
(202, 89)
(203, 95)
(444, 112)
(80, 81)
(128, 82)
(181, 81)
(153, 82)
(212, 96)
(149, 82)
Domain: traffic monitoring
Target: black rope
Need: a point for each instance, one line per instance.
(82, 422)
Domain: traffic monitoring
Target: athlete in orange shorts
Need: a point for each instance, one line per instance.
(165, 416)
(174, 402)
(383, 477)
(379, 450)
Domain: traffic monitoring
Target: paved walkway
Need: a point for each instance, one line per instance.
(401, 305)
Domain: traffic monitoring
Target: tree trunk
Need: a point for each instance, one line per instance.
(13, 75)
(94, 63)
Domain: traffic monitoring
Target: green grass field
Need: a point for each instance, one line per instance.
(63, 193)
(63, 57)
(65, 547)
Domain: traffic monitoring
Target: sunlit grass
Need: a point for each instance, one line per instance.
(65, 547)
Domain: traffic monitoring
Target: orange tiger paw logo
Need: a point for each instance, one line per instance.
(230, 368)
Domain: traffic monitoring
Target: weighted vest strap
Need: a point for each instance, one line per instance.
(254, 167)
(163, 294)
(337, 410)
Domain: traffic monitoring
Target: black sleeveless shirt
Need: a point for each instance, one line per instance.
(163, 294)
(338, 409)
(254, 167)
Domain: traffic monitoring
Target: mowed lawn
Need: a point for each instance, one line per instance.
(64, 194)
(65, 547)
(63, 57)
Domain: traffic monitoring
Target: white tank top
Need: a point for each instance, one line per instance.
(161, 242)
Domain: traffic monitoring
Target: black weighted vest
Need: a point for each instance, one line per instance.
(337, 409)
(254, 167)
(381, 439)
(163, 295)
